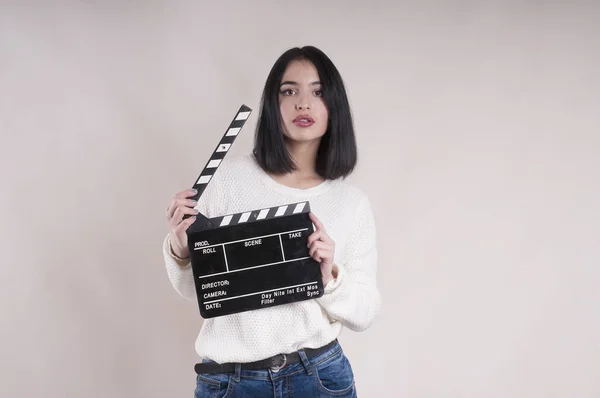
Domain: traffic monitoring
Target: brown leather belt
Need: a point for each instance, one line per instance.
(275, 362)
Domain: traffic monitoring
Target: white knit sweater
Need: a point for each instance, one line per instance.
(351, 300)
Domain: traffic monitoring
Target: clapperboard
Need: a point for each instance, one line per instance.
(254, 259)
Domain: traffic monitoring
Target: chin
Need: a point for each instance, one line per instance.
(304, 135)
(303, 138)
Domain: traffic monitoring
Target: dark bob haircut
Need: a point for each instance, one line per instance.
(337, 153)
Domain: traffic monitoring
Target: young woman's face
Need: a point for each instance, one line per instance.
(303, 111)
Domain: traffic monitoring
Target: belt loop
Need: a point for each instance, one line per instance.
(305, 361)
(238, 370)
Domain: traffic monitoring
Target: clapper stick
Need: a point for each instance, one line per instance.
(202, 222)
(250, 260)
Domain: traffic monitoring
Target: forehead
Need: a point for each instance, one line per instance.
(301, 71)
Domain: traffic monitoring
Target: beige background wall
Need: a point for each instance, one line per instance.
(479, 133)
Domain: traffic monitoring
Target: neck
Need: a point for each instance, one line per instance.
(304, 155)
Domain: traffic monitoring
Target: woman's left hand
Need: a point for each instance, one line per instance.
(322, 248)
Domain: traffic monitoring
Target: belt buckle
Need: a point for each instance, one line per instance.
(277, 368)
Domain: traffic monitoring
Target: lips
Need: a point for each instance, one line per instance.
(303, 121)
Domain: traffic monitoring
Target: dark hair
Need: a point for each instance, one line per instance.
(337, 153)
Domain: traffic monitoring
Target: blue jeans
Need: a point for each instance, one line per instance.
(328, 374)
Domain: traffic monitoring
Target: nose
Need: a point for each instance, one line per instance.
(303, 102)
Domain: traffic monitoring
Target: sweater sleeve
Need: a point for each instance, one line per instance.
(179, 271)
(353, 297)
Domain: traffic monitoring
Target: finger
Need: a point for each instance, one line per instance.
(319, 235)
(318, 244)
(315, 256)
(180, 211)
(174, 202)
(184, 225)
(179, 202)
(318, 225)
(170, 209)
(186, 194)
(315, 236)
(321, 247)
(320, 255)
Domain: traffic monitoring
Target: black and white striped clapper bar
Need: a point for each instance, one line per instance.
(254, 259)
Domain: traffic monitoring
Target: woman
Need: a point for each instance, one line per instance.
(304, 148)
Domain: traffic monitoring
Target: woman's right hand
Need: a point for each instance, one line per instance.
(181, 205)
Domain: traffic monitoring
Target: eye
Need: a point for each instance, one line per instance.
(287, 91)
(319, 93)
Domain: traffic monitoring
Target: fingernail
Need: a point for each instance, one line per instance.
(194, 190)
(194, 202)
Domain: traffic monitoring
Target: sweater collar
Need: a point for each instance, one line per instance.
(287, 190)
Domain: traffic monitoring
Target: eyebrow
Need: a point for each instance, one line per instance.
(295, 83)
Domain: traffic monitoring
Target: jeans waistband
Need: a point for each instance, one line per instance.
(274, 363)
